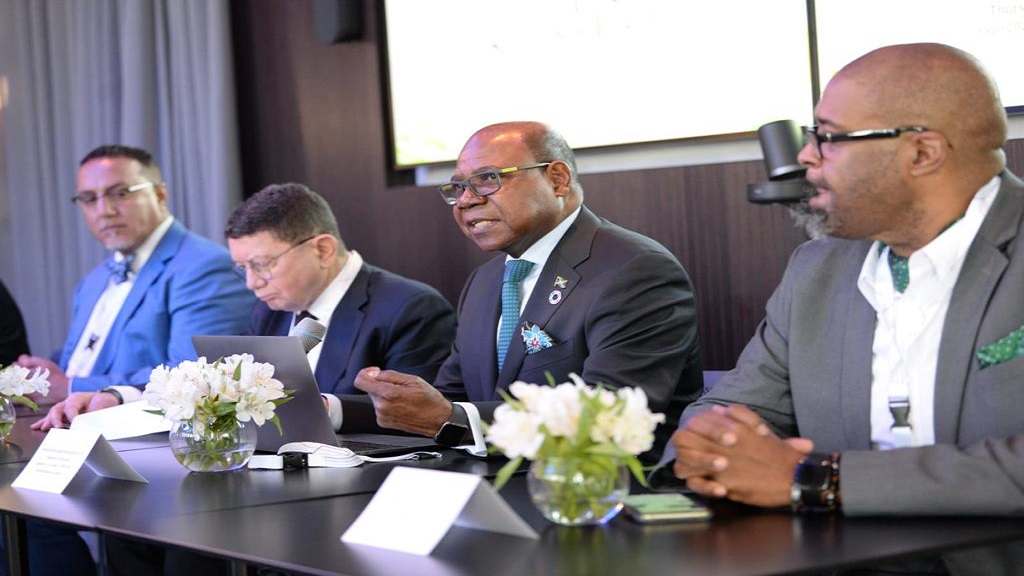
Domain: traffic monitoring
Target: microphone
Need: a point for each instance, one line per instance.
(310, 332)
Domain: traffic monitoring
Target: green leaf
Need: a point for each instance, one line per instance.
(637, 469)
(25, 401)
(277, 422)
(506, 472)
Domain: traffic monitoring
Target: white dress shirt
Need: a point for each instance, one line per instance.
(107, 307)
(909, 325)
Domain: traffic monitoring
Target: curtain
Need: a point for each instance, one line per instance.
(156, 74)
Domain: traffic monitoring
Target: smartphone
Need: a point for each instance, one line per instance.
(664, 507)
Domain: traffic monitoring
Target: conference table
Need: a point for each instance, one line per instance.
(291, 521)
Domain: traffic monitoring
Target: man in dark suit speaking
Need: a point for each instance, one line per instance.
(606, 303)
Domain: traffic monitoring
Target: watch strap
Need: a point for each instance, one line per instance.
(815, 485)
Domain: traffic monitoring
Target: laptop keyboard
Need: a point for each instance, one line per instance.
(358, 446)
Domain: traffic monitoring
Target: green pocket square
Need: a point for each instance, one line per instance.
(1006, 348)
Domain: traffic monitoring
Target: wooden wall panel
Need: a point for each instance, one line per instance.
(314, 113)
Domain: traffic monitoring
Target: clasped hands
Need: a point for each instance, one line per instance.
(729, 452)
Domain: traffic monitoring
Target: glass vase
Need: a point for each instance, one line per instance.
(7, 416)
(578, 491)
(217, 446)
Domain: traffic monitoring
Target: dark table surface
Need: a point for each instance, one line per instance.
(293, 520)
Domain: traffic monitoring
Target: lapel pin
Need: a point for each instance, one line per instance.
(560, 282)
(555, 297)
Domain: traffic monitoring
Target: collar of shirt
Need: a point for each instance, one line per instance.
(144, 251)
(937, 264)
(324, 305)
(539, 253)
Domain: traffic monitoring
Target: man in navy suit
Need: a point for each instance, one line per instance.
(606, 303)
(285, 241)
(136, 310)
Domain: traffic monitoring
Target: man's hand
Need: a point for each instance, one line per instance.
(58, 380)
(403, 401)
(62, 413)
(730, 452)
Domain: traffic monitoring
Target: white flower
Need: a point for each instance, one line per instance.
(195, 390)
(20, 381)
(630, 425)
(516, 432)
(620, 418)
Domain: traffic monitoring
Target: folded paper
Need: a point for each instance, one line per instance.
(415, 507)
(60, 456)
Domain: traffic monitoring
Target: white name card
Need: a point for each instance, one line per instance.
(60, 456)
(415, 507)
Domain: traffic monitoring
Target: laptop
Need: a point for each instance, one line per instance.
(303, 418)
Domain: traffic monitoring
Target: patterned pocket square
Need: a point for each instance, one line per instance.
(536, 339)
(1006, 348)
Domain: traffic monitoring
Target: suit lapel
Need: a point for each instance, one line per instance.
(858, 335)
(484, 310)
(148, 274)
(573, 249)
(982, 269)
(346, 322)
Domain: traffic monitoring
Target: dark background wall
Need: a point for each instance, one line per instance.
(315, 113)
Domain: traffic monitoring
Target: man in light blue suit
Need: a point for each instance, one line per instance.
(161, 285)
(138, 309)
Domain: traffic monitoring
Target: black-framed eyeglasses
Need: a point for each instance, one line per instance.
(815, 138)
(482, 184)
(263, 268)
(117, 194)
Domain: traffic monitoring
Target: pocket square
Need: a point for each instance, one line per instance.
(536, 339)
(1006, 348)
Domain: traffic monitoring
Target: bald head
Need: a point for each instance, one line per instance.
(543, 142)
(936, 86)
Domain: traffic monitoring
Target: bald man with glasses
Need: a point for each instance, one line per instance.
(887, 376)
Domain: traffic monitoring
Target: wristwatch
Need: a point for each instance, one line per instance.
(450, 434)
(816, 483)
(114, 392)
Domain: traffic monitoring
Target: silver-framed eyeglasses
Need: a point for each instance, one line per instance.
(481, 184)
(263, 268)
(815, 138)
(115, 194)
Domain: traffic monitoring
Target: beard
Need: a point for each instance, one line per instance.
(814, 223)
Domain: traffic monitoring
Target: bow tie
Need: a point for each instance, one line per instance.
(119, 270)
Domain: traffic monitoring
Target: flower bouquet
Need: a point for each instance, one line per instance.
(16, 383)
(581, 439)
(214, 407)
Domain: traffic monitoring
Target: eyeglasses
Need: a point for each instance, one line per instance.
(263, 268)
(482, 184)
(119, 194)
(815, 139)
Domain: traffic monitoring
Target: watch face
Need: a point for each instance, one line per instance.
(450, 434)
(813, 476)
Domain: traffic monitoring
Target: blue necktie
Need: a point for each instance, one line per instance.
(119, 270)
(515, 271)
